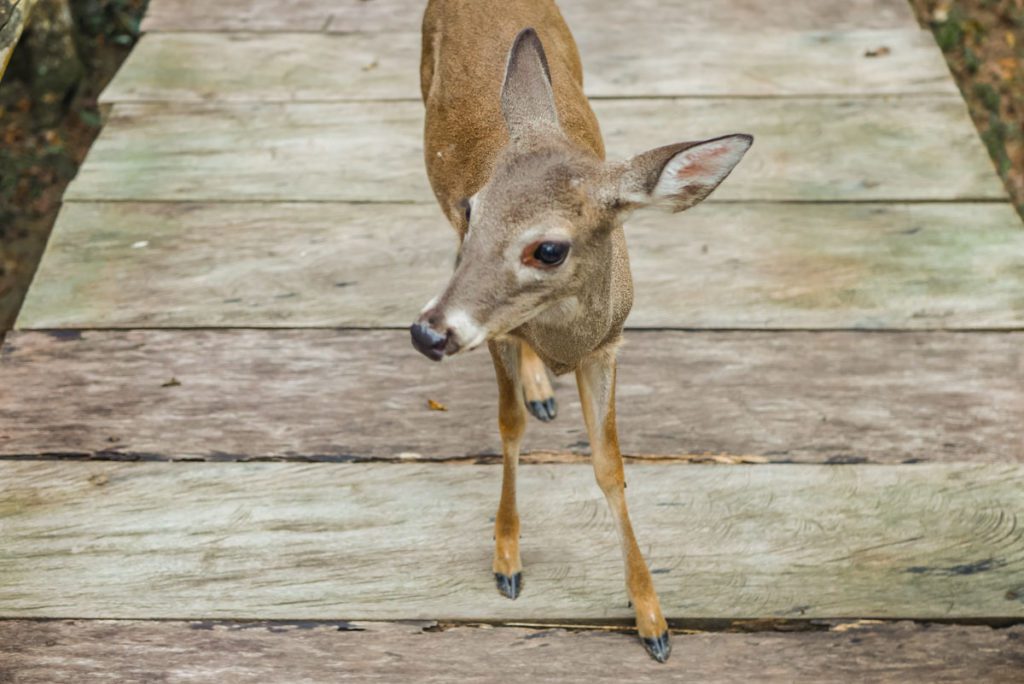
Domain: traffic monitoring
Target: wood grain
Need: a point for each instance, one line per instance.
(718, 266)
(200, 67)
(918, 148)
(173, 652)
(321, 394)
(382, 542)
(405, 15)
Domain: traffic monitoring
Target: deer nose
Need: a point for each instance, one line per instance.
(428, 341)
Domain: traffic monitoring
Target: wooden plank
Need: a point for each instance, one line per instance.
(405, 15)
(129, 652)
(782, 62)
(918, 148)
(269, 67)
(199, 67)
(721, 15)
(332, 395)
(267, 15)
(916, 266)
(381, 542)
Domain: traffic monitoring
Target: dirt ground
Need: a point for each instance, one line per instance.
(983, 41)
(41, 147)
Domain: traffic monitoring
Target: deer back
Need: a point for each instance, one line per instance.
(465, 49)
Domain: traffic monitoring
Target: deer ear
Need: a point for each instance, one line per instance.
(527, 99)
(676, 177)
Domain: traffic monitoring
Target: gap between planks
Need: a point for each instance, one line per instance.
(255, 201)
(530, 457)
(77, 330)
(614, 626)
(592, 98)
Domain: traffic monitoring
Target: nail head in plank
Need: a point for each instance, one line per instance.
(141, 652)
(717, 266)
(383, 542)
(919, 148)
(323, 394)
(200, 67)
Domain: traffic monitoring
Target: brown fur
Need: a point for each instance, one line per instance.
(511, 136)
(466, 145)
(465, 132)
(536, 385)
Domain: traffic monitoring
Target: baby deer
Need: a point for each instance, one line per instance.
(516, 160)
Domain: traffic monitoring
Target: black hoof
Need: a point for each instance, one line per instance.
(658, 647)
(544, 410)
(509, 586)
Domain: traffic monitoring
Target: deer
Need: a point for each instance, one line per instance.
(515, 158)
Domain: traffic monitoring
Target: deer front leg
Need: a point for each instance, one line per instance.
(537, 392)
(508, 568)
(596, 380)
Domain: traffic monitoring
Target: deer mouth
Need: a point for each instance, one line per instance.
(437, 334)
(429, 342)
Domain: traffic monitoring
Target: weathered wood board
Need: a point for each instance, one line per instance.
(405, 15)
(321, 394)
(142, 652)
(199, 67)
(919, 148)
(718, 266)
(381, 542)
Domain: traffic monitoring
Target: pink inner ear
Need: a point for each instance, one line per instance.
(706, 160)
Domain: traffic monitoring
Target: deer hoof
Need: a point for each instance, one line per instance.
(509, 585)
(544, 410)
(659, 647)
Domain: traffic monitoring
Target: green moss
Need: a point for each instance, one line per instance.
(988, 96)
(995, 140)
(971, 60)
(949, 35)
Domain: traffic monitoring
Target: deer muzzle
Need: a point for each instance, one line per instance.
(428, 341)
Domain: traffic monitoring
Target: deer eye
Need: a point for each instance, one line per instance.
(551, 253)
(545, 254)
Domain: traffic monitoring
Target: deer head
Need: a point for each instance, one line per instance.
(540, 230)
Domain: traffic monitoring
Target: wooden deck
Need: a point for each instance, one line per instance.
(840, 332)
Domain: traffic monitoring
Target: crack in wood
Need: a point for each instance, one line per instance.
(622, 626)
